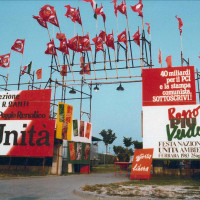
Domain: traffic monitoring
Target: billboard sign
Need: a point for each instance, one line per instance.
(78, 153)
(25, 104)
(168, 86)
(82, 131)
(141, 167)
(64, 121)
(173, 131)
(25, 128)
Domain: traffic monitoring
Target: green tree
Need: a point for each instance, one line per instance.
(127, 141)
(138, 145)
(108, 137)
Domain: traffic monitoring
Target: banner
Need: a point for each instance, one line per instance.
(78, 153)
(25, 128)
(141, 167)
(64, 121)
(173, 131)
(82, 131)
(168, 86)
(27, 138)
(25, 104)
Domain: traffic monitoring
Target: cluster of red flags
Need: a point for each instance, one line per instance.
(121, 8)
(168, 59)
(47, 14)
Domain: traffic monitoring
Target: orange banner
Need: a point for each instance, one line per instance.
(141, 167)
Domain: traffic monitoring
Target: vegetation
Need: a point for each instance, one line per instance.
(108, 137)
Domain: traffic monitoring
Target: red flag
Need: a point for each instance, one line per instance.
(24, 70)
(169, 61)
(84, 42)
(98, 43)
(85, 69)
(41, 21)
(60, 36)
(5, 60)
(99, 11)
(102, 34)
(115, 6)
(122, 8)
(136, 37)
(180, 24)
(48, 13)
(63, 46)
(73, 14)
(18, 46)
(73, 44)
(110, 41)
(63, 71)
(122, 37)
(148, 29)
(39, 74)
(93, 3)
(138, 8)
(160, 57)
(51, 49)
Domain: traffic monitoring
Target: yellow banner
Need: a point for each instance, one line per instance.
(64, 121)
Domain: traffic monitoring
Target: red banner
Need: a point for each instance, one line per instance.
(168, 86)
(141, 166)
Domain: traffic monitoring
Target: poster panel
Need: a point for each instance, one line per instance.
(25, 104)
(27, 138)
(82, 131)
(78, 153)
(141, 167)
(64, 121)
(173, 131)
(168, 86)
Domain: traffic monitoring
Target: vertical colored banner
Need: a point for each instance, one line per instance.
(64, 121)
(141, 167)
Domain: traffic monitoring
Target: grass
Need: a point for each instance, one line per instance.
(103, 168)
(156, 187)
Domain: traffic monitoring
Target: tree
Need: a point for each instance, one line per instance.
(108, 137)
(127, 141)
(138, 145)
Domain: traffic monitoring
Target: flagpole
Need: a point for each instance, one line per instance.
(8, 72)
(104, 56)
(20, 71)
(181, 50)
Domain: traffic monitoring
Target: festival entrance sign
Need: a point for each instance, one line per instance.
(168, 86)
(173, 131)
(25, 128)
(141, 167)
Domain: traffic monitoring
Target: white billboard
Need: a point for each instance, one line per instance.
(173, 131)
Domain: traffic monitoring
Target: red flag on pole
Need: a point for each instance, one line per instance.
(148, 29)
(85, 69)
(5, 60)
(99, 11)
(24, 70)
(136, 37)
(63, 46)
(73, 43)
(110, 41)
(138, 8)
(84, 42)
(41, 21)
(98, 43)
(122, 8)
(169, 61)
(48, 13)
(39, 74)
(60, 36)
(51, 49)
(180, 24)
(63, 71)
(18, 46)
(102, 34)
(115, 6)
(160, 57)
(122, 37)
(73, 14)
